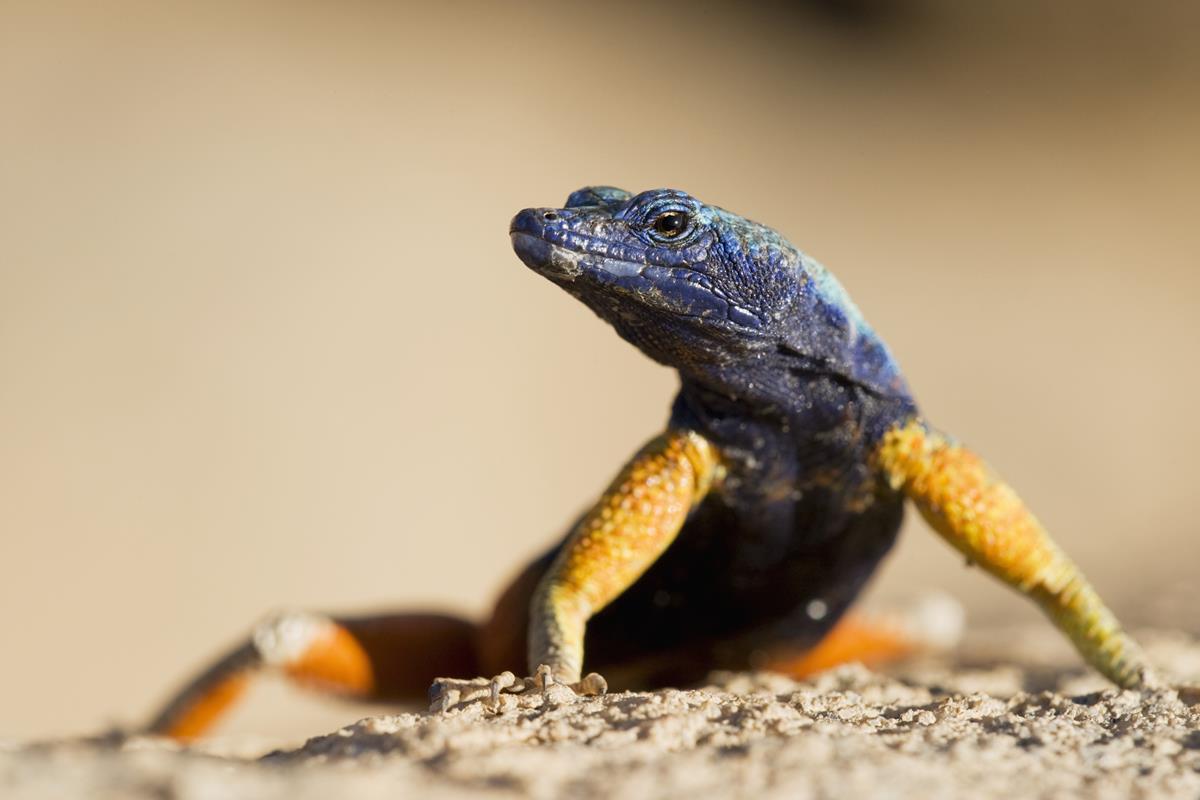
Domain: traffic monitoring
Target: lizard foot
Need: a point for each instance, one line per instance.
(446, 693)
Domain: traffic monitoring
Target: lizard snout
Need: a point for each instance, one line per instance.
(533, 221)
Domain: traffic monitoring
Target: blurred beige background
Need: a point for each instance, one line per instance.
(263, 342)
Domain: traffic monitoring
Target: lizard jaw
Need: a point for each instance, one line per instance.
(547, 259)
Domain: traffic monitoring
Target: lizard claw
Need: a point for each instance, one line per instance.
(590, 685)
(447, 693)
(593, 684)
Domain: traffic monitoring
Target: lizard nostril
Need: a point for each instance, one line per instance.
(549, 216)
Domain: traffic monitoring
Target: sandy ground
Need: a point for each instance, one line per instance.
(1009, 715)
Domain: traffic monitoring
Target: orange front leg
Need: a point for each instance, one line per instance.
(631, 525)
(982, 517)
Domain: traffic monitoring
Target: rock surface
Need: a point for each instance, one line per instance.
(968, 727)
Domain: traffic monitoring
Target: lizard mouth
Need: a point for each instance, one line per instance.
(679, 291)
(545, 258)
(557, 262)
(548, 249)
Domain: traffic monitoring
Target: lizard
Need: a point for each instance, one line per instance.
(739, 536)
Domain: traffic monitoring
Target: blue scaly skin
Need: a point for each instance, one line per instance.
(739, 536)
(816, 442)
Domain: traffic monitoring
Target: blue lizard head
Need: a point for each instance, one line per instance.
(693, 285)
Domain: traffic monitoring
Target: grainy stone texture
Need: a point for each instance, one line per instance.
(1016, 722)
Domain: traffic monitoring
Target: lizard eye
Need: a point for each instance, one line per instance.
(670, 224)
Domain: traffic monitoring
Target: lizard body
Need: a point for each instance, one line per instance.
(818, 434)
(778, 371)
(744, 531)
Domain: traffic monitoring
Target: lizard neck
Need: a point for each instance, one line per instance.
(773, 395)
(752, 388)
